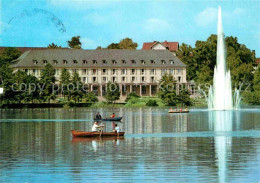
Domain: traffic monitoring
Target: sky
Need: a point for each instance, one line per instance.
(38, 23)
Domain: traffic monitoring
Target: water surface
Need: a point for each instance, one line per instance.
(201, 146)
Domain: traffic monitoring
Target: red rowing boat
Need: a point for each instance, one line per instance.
(95, 134)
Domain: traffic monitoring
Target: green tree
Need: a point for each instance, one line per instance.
(76, 93)
(65, 80)
(113, 46)
(9, 54)
(113, 92)
(185, 53)
(99, 48)
(91, 97)
(127, 43)
(75, 42)
(256, 80)
(53, 46)
(48, 82)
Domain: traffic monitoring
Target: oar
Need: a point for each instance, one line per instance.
(101, 131)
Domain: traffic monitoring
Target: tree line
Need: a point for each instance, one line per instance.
(241, 62)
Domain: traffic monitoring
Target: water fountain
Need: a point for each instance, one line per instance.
(220, 94)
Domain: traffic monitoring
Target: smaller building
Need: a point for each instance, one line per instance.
(156, 45)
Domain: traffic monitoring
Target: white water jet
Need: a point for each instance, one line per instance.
(220, 94)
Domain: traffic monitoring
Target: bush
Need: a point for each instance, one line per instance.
(91, 97)
(131, 96)
(151, 103)
(251, 97)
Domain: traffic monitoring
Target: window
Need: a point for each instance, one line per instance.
(133, 79)
(172, 71)
(152, 71)
(104, 61)
(35, 61)
(171, 62)
(152, 62)
(123, 62)
(113, 79)
(34, 71)
(84, 61)
(74, 70)
(26, 71)
(84, 71)
(94, 71)
(55, 62)
(45, 61)
(123, 71)
(163, 61)
(163, 71)
(84, 79)
(142, 71)
(104, 71)
(94, 61)
(123, 79)
(104, 79)
(65, 61)
(94, 79)
(133, 71)
(142, 62)
(180, 71)
(133, 61)
(113, 62)
(143, 89)
(75, 61)
(152, 79)
(143, 79)
(114, 71)
(179, 79)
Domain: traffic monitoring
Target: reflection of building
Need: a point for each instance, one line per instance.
(135, 70)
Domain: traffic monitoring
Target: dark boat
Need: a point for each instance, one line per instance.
(95, 134)
(178, 111)
(109, 119)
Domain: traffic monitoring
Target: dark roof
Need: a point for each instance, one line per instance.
(26, 59)
(171, 46)
(24, 49)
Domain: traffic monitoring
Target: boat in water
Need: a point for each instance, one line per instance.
(178, 111)
(109, 119)
(76, 133)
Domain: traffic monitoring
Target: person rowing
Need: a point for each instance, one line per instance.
(96, 127)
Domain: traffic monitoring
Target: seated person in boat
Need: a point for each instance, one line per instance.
(186, 109)
(98, 116)
(113, 115)
(96, 127)
(117, 129)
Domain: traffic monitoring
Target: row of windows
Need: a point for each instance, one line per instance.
(116, 79)
(103, 62)
(114, 71)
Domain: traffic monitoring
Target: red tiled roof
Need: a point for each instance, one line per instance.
(171, 46)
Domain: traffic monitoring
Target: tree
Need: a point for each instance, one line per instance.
(53, 46)
(75, 42)
(9, 54)
(47, 82)
(99, 48)
(91, 97)
(113, 46)
(65, 80)
(127, 43)
(186, 56)
(77, 92)
(256, 80)
(113, 92)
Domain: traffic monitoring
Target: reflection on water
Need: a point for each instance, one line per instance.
(201, 146)
(222, 121)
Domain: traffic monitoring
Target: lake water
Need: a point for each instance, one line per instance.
(201, 146)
